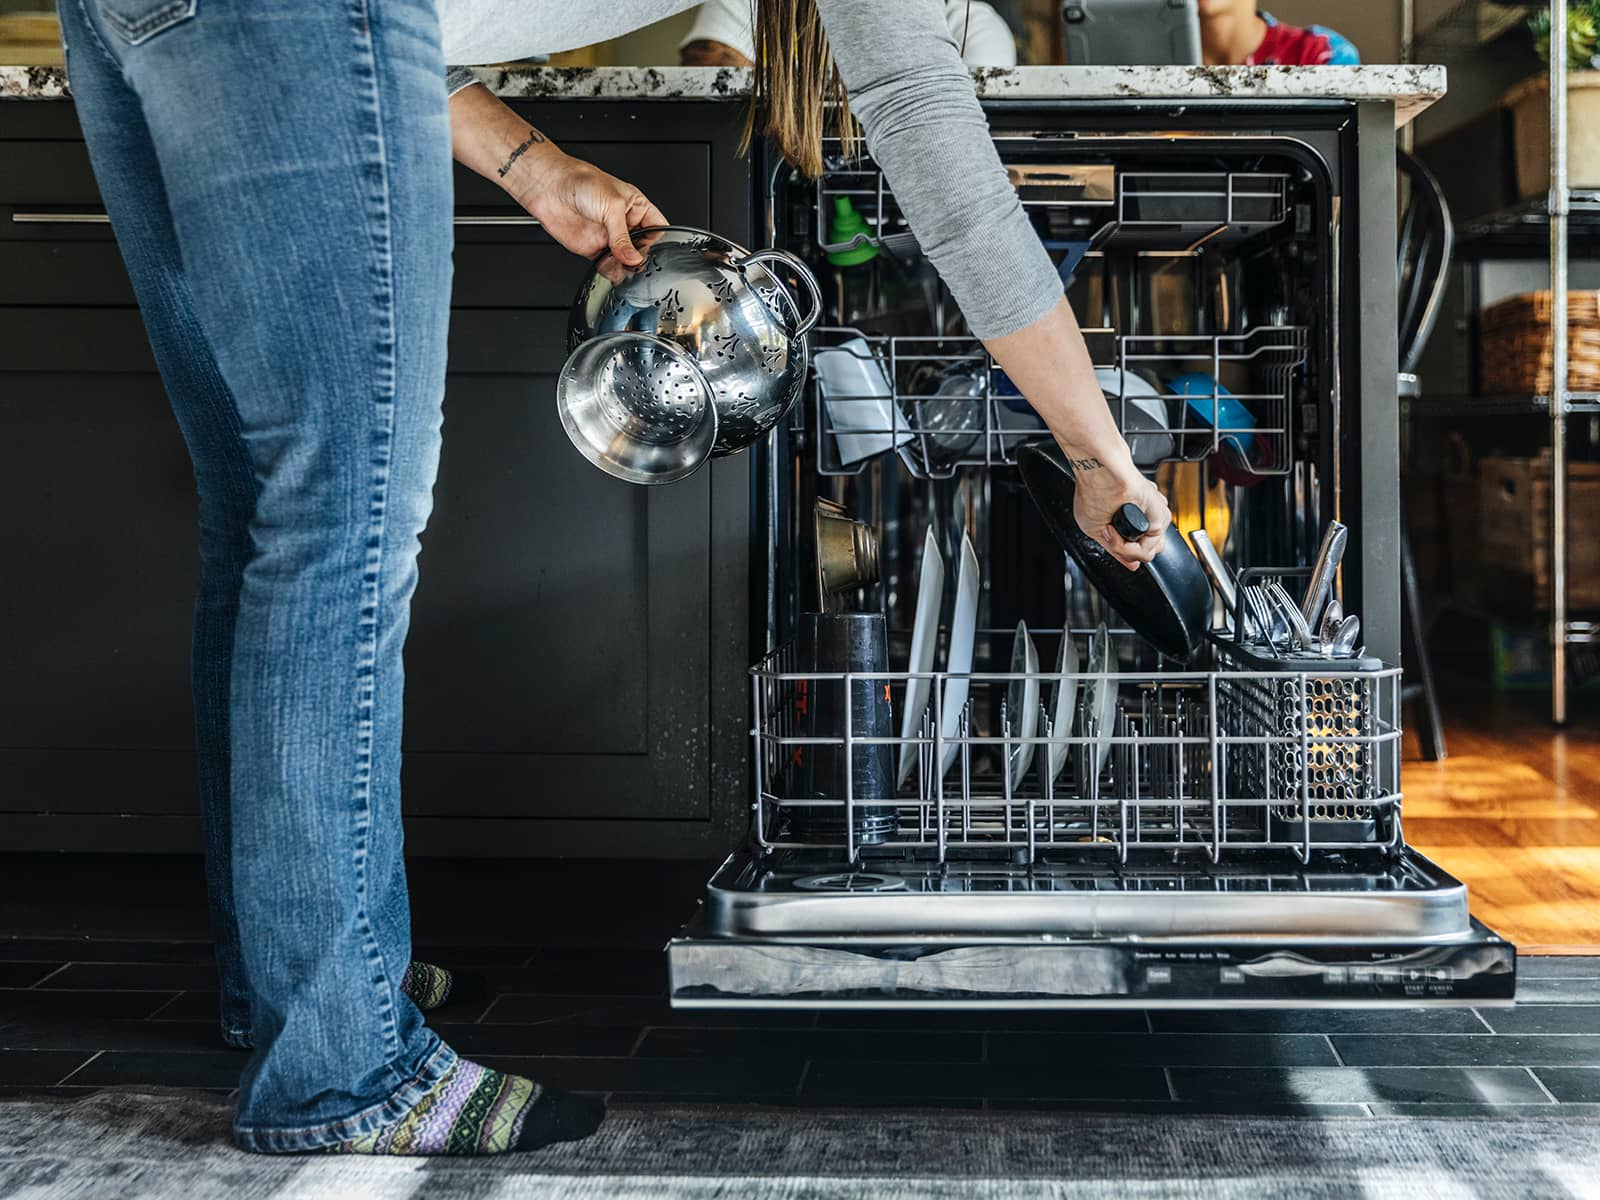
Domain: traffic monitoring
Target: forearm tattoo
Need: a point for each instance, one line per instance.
(534, 138)
(1085, 464)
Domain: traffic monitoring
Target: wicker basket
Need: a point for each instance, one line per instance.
(1529, 103)
(1514, 533)
(1515, 346)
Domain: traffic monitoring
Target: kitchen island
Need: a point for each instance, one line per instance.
(579, 650)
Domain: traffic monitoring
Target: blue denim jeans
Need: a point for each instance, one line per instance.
(278, 177)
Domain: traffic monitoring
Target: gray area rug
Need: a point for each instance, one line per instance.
(133, 1145)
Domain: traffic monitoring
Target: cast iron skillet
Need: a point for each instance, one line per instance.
(1167, 601)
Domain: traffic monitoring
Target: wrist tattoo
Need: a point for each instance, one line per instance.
(1085, 464)
(534, 138)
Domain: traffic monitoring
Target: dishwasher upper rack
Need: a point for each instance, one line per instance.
(1237, 759)
(1171, 209)
(935, 435)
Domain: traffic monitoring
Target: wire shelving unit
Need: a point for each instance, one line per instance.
(1551, 221)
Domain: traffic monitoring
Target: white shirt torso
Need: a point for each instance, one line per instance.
(489, 31)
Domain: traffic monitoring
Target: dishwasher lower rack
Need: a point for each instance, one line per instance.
(1300, 756)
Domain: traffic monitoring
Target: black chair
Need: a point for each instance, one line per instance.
(1422, 264)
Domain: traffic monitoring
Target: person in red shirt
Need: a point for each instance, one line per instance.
(1233, 32)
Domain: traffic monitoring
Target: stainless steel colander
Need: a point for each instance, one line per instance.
(638, 407)
(726, 309)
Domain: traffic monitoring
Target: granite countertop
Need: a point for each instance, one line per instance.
(1410, 88)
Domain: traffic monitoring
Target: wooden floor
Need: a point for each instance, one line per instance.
(1514, 813)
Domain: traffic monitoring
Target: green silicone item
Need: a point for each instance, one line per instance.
(846, 224)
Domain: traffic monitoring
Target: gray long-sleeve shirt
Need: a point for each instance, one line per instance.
(907, 84)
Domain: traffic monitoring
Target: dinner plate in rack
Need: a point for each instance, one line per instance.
(1099, 693)
(924, 641)
(963, 631)
(1063, 701)
(1022, 704)
(1108, 703)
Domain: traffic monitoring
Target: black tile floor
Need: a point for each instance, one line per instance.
(101, 994)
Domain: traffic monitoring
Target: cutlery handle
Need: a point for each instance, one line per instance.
(1216, 570)
(1329, 556)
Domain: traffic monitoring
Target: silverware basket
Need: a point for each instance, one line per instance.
(1317, 758)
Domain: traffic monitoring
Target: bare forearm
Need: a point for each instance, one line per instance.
(1050, 365)
(579, 205)
(1048, 361)
(489, 138)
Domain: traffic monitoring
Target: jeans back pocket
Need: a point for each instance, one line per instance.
(137, 21)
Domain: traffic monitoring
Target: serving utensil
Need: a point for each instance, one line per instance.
(1217, 572)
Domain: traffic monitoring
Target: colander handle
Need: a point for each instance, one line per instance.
(803, 273)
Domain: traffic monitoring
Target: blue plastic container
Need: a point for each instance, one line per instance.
(1231, 414)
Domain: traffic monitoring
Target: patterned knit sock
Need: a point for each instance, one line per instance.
(474, 1110)
(432, 987)
(429, 987)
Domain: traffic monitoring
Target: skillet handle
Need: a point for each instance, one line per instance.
(1131, 522)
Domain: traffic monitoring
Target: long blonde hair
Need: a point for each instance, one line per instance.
(797, 98)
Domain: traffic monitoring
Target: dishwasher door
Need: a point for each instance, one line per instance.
(791, 930)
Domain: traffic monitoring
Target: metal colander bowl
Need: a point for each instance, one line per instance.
(727, 308)
(638, 407)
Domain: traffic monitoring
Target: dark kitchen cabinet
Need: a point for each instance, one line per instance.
(575, 668)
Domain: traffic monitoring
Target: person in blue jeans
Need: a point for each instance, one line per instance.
(278, 176)
(279, 179)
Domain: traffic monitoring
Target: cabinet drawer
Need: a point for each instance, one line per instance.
(76, 272)
(112, 340)
(51, 174)
(50, 186)
(489, 273)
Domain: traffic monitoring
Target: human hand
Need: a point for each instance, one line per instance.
(1102, 489)
(584, 208)
(581, 206)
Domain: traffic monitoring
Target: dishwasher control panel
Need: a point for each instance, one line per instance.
(708, 971)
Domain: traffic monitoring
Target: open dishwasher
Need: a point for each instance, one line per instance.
(1051, 813)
